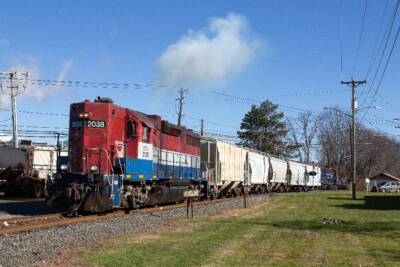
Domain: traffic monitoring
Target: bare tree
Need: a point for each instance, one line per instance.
(376, 152)
(303, 130)
(334, 138)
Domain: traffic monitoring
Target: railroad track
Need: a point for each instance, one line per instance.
(34, 223)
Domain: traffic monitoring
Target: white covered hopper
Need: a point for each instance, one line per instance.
(258, 168)
(298, 172)
(279, 170)
(222, 162)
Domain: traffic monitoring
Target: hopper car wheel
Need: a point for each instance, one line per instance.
(281, 189)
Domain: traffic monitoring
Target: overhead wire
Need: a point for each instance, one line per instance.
(376, 49)
(341, 38)
(37, 112)
(387, 38)
(384, 71)
(361, 35)
(211, 122)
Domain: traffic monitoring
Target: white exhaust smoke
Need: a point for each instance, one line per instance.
(209, 57)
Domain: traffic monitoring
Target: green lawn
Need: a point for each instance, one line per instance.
(285, 231)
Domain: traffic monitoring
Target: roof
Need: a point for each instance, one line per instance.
(388, 175)
(143, 118)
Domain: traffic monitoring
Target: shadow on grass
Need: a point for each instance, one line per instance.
(382, 202)
(345, 198)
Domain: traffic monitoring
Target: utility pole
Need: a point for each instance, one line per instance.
(202, 127)
(14, 91)
(180, 99)
(353, 85)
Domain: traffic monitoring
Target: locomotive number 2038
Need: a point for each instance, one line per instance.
(95, 124)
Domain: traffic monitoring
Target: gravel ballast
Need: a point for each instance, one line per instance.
(31, 247)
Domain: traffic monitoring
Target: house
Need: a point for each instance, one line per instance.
(382, 178)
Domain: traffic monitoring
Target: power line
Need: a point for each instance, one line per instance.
(94, 84)
(37, 113)
(389, 30)
(214, 123)
(251, 101)
(359, 40)
(341, 37)
(376, 49)
(139, 86)
(384, 70)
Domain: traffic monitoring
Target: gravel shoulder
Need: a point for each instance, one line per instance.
(39, 246)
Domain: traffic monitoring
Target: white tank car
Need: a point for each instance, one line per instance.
(297, 177)
(224, 164)
(279, 168)
(258, 170)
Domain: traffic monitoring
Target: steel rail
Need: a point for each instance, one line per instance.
(35, 223)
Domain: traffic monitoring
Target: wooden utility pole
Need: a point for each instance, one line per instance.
(14, 91)
(202, 127)
(180, 99)
(353, 85)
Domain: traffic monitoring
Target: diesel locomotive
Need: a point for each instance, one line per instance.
(123, 158)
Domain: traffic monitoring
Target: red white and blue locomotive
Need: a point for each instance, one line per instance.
(123, 158)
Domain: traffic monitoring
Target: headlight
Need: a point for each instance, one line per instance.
(93, 168)
(63, 167)
(84, 115)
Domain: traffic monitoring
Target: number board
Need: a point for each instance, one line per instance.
(96, 124)
(77, 124)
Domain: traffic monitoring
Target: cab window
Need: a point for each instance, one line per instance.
(130, 129)
(146, 134)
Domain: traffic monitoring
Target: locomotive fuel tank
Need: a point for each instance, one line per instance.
(167, 195)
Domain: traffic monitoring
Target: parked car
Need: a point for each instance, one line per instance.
(390, 187)
(374, 187)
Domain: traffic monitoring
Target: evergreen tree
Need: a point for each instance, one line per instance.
(262, 128)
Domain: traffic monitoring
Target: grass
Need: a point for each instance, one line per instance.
(286, 231)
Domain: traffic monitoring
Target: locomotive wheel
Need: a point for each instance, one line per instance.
(135, 206)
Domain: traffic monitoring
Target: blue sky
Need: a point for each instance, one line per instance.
(296, 61)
